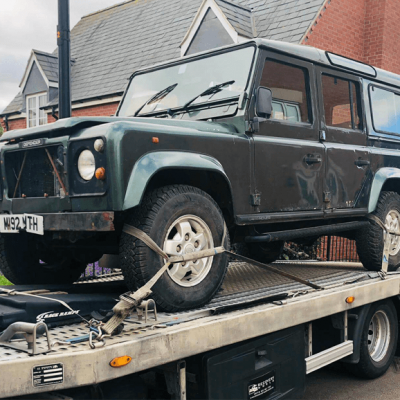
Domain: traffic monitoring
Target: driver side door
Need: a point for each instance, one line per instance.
(289, 157)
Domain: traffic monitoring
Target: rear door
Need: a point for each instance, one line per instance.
(289, 158)
(347, 156)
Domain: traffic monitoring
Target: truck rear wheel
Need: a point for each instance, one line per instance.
(370, 241)
(180, 219)
(23, 264)
(378, 341)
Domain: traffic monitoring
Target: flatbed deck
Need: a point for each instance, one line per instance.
(244, 309)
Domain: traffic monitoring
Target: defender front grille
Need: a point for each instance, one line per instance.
(36, 174)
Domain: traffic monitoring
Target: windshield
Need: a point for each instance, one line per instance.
(190, 80)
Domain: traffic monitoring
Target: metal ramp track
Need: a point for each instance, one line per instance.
(243, 283)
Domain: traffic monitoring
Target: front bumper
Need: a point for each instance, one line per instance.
(79, 222)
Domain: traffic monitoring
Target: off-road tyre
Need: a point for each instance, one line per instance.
(370, 241)
(21, 263)
(159, 209)
(367, 367)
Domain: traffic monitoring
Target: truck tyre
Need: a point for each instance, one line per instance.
(22, 264)
(378, 341)
(370, 241)
(180, 219)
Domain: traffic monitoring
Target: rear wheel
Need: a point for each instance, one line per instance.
(378, 341)
(181, 220)
(23, 263)
(370, 242)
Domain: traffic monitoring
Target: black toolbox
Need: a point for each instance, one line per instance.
(270, 367)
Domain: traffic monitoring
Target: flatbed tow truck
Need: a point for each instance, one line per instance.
(257, 339)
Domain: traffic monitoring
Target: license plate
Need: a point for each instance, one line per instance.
(22, 222)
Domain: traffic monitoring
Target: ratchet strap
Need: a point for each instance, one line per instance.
(129, 301)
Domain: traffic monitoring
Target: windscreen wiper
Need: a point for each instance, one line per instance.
(211, 90)
(158, 96)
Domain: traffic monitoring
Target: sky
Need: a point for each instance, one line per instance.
(32, 24)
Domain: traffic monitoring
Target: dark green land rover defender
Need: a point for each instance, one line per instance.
(277, 141)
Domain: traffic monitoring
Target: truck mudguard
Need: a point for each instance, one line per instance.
(379, 180)
(147, 166)
(356, 323)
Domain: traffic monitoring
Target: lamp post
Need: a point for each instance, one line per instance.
(64, 59)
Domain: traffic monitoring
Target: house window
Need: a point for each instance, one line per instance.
(36, 116)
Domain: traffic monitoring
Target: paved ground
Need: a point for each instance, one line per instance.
(335, 383)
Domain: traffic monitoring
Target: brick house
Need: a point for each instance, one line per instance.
(109, 45)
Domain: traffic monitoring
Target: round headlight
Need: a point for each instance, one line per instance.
(86, 165)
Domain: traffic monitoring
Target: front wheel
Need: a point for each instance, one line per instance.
(378, 341)
(181, 220)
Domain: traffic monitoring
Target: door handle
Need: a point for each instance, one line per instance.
(362, 163)
(312, 160)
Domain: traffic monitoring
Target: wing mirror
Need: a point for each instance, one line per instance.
(264, 102)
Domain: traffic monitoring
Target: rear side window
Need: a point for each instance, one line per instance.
(385, 110)
(289, 85)
(341, 103)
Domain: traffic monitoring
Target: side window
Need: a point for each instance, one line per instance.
(341, 100)
(289, 85)
(385, 110)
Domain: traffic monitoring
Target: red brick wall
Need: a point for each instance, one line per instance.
(340, 28)
(387, 37)
(103, 110)
(14, 124)
(366, 30)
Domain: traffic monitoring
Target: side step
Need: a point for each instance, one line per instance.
(307, 232)
(329, 356)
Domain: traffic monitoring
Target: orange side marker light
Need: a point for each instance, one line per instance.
(350, 299)
(119, 362)
(155, 140)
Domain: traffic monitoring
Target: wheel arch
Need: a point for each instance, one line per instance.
(357, 319)
(163, 168)
(386, 179)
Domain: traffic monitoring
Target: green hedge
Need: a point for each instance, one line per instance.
(4, 281)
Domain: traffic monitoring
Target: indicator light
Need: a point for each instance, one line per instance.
(156, 140)
(101, 174)
(119, 362)
(350, 299)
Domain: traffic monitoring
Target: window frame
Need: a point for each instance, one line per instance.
(388, 89)
(359, 101)
(37, 97)
(295, 63)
